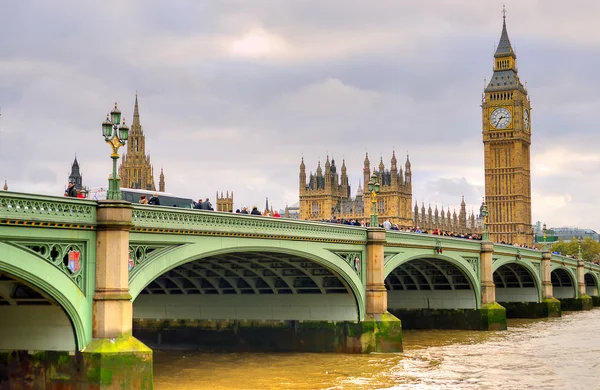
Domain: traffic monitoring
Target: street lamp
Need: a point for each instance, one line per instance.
(115, 136)
(545, 247)
(484, 213)
(374, 187)
(579, 249)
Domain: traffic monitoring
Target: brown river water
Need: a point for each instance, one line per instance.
(556, 353)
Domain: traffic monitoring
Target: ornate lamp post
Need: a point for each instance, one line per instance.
(115, 136)
(484, 213)
(374, 187)
(579, 249)
(545, 247)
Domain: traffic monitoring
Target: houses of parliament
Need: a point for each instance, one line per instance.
(506, 125)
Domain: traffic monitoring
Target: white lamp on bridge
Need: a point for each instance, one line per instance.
(116, 136)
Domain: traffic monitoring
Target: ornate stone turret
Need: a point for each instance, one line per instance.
(327, 174)
(394, 170)
(366, 170)
(345, 188)
(443, 220)
(430, 222)
(454, 220)
(75, 176)
(225, 202)
(161, 181)
(302, 177)
(462, 217)
(416, 215)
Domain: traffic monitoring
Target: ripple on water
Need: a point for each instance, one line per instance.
(555, 353)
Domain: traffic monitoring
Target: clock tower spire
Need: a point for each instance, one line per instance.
(507, 140)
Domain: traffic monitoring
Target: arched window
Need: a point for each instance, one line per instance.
(315, 208)
(380, 206)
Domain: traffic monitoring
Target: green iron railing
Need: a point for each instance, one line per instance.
(37, 208)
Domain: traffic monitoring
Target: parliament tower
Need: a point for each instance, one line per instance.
(507, 140)
(327, 195)
(136, 170)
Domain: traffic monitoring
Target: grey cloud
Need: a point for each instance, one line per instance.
(390, 75)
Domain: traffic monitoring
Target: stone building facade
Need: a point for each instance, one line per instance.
(135, 170)
(507, 139)
(444, 221)
(327, 195)
(224, 201)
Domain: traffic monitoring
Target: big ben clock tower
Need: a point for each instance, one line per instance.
(506, 140)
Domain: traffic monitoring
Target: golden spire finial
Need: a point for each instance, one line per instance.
(503, 11)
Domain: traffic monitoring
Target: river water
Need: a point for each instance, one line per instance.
(554, 353)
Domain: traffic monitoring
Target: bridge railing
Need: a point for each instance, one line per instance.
(158, 219)
(20, 208)
(397, 238)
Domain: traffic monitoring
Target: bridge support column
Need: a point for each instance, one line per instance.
(583, 301)
(493, 315)
(114, 358)
(380, 330)
(551, 305)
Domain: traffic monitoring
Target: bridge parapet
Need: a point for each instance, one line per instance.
(569, 261)
(156, 219)
(407, 239)
(40, 210)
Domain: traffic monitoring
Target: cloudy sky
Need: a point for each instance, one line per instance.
(233, 93)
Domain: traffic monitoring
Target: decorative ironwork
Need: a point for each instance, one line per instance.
(70, 258)
(538, 268)
(173, 221)
(144, 253)
(36, 208)
(353, 259)
(474, 262)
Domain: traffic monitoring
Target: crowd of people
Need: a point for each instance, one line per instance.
(71, 191)
(256, 211)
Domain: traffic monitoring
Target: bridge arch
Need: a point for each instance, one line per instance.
(430, 271)
(40, 275)
(591, 283)
(516, 281)
(564, 281)
(213, 247)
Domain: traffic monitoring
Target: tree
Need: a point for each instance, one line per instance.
(590, 248)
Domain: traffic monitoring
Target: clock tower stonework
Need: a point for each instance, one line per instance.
(507, 140)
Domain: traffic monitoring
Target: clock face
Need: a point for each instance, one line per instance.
(526, 119)
(501, 118)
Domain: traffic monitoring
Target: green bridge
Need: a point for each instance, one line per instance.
(79, 279)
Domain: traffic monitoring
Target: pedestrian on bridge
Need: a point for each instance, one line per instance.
(71, 191)
(154, 200)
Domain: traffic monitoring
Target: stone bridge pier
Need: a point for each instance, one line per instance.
(114, 358)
